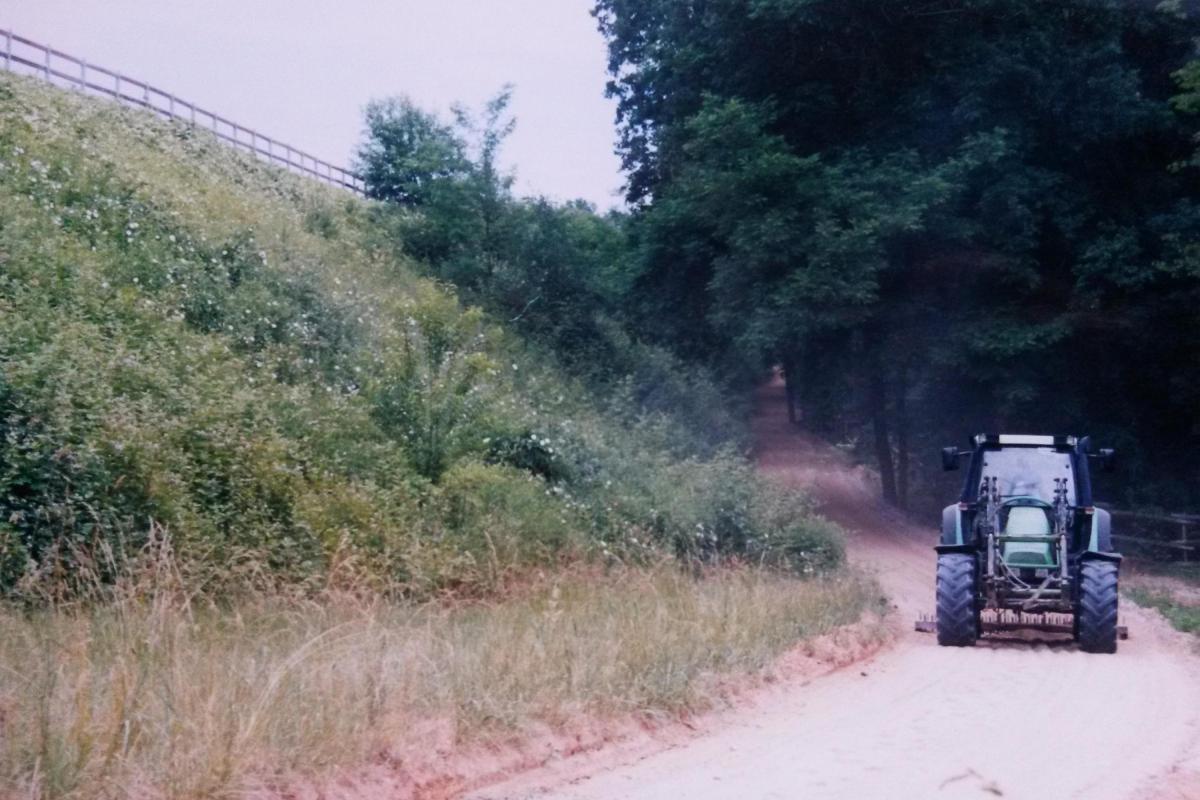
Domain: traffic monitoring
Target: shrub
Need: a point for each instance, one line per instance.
(501, 518)
(791, 535)
(430, 390)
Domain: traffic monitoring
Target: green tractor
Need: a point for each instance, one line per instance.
(1025, 548)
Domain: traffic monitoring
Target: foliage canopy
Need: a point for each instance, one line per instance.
(940, 217)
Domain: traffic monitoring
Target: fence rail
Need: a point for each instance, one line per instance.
(27, 57)
(1157, 536)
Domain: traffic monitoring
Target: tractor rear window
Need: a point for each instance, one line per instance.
(1029, 472)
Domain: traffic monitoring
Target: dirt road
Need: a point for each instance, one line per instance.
(1016, 719)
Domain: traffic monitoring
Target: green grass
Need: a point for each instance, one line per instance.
(1172, 588)
(1182, 615)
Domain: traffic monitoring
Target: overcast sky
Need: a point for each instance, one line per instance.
(301, 70)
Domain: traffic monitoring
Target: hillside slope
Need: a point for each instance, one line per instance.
(201, 349)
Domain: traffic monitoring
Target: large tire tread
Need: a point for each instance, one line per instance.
(1096, 617)
(957, 615)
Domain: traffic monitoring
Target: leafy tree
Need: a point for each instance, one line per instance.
(444, 178)
(542, 265)
(492, 186)
(407, 151)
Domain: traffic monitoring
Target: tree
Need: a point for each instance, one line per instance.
(445, 178)
(551, 269)
(407, 152)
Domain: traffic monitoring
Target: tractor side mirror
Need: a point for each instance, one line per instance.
(949, 458)
(1108, 459)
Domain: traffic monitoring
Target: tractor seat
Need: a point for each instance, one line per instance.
(1027, 521)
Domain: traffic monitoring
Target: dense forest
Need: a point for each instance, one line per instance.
(940, 217)
(937, 217)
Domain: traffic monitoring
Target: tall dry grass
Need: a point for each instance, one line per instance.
(150, 694)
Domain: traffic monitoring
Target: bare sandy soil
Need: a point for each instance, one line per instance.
(1017, 718)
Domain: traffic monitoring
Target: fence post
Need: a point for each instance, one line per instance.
(171, 105)
(83, 75)
(46, 62)
(8, 50)
(117, 81)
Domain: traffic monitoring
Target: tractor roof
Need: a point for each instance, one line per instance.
(992, 440)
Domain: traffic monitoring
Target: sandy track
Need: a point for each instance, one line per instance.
(1018, 719)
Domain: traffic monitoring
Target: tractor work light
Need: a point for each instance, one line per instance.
(1023, 440)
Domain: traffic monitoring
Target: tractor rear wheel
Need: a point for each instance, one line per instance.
(957, 616)
(1096, 616)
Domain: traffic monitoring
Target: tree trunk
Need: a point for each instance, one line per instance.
(902, 439)
(877, 399)
(790, 380)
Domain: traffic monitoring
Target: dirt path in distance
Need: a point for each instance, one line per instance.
(1008, 718)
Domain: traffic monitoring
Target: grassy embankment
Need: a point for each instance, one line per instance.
(1171, 589)
(271, 498)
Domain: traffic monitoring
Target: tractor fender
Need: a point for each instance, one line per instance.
(1093, 555)
(969, 549)
(952, 532)
(1100, 540)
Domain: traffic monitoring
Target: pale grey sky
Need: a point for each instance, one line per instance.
(301, 70)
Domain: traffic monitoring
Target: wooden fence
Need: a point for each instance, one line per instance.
(24, 56)
(1160, 537)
